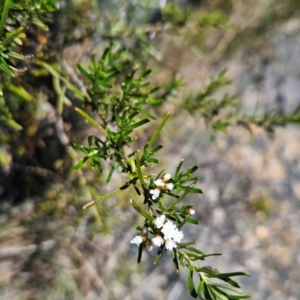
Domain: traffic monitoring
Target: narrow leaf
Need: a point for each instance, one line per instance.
(4, 15)
(137, 124)
(80, 163)
(217, 294)
(181, 197)
(84, 72)
(90, 120)
(228, 287)
(111, 172)
(102, 198)
(175, 260)
(146, 112)
(178, 170)
(5, 67)
(224, 275)
(138, 168)
(140, 210)
(155, 149)
(191, 285)
(157, 131)
(20, 91)
(12, 36)
(141, 246)
(193, 221)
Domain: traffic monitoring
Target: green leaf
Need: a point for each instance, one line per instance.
(178, 170)
(191, 170)
(4, 15)
(105, 54)
(228, 287)
(207, 293)
(138, 168)
(230, 281)
(237, 297)
(155, 149)
(191, 285)
(18, 56)
(145, 112)
(157, 132)
(137, 124)
(153, 160)
(209, 271)
(190, 179)
(201, 288)
(91, 120)
(137, 189)
(141, 247)
(80, 163)
(112, 169)
(90, 140)
(20, 91)
(141, 211)
(145, 74)
(224, 275)
(154, 101)
(181, 197)
(193, 221)
(103, 198)
(84, 72)
(195, 250)
(216, 288)
(113, 74)
(12, 36)
(5, 67)
(39, 23)
(175, 260)
(195, 191)
(154, 90)
(217, 294)
(187, 244)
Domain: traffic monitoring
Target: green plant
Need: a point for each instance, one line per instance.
(120, 111)
(15, 19)
(118, 102)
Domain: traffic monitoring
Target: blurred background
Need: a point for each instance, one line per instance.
(50, 248)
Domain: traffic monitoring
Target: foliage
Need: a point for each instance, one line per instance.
(120, 116)
(14, 18)
(114, 95)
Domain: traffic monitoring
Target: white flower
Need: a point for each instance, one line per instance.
(158, 241)
(155, 193)
(168, 230)
(159, 221)
(191, 212)
(177, 235)
(170, 186)
(159, 182)
(137, 240)
(166, 177)
(170, 244)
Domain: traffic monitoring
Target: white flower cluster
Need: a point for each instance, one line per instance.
(160, 184)
(171, 234)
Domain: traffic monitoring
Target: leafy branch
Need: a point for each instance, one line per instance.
(117, 116)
